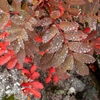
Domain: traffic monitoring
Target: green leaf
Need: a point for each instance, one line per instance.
(11, 97)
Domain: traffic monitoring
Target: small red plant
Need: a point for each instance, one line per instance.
(34, 85)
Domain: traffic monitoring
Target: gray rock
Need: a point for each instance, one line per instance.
(77, 84)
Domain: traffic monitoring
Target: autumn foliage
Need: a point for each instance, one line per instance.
(51, 35)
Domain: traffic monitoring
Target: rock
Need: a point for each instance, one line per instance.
(78, 85)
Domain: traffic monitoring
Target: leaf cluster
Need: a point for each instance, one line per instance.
(53, 33)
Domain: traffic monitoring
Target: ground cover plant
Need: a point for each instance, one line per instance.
(54, 36)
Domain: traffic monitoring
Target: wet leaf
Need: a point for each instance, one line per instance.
(16, 46)
(19, 20)
(79, 47)
(60, 56)
(46, 21)
(84, 58)
(68, 26)
(4, 18)
(55, 14)
(69, 63)
(56, 44)
(81, 68)
(75, 36)
(49, 34)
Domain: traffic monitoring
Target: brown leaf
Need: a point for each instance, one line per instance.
(46, 58)
(44, 46)
(49, 34)
(4, 5)
(60, 56)
(68, 26)
(16, 46)
(56, 44)
(45, 21)
(91, 7)
(96, 6)
(30, 47)
(47, 65)
(75, 2)
(16, 6)
(19, 20)
(74, 11)
(69, 63)
(75, 36)
(92, 35)
(55, 14)
(61, 73)
(81, 68)
(3, 19)
(79, 47)
(84, 58)
(21, 56)
(14, 29)
(31, 34)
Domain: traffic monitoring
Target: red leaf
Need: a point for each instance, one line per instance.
(2, 45)
(33, 69)
(11, 63)
(92, 35)
(2, 52)
(61, 10)
(55, 79)
(93, 68)
(42, 53)
(52, 70)
(38, 39)
(35, 93)
(26, 72)
(4, 59)
(49, 75)
(67, 76)
(26, 84)
(35, 75)
(18, 66)
(48, 80)
(86, 30)
(8, 24)
(10, 52)
(4, 34)
(37, 85)
(28, 60)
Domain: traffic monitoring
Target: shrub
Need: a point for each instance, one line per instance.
(54, 35)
